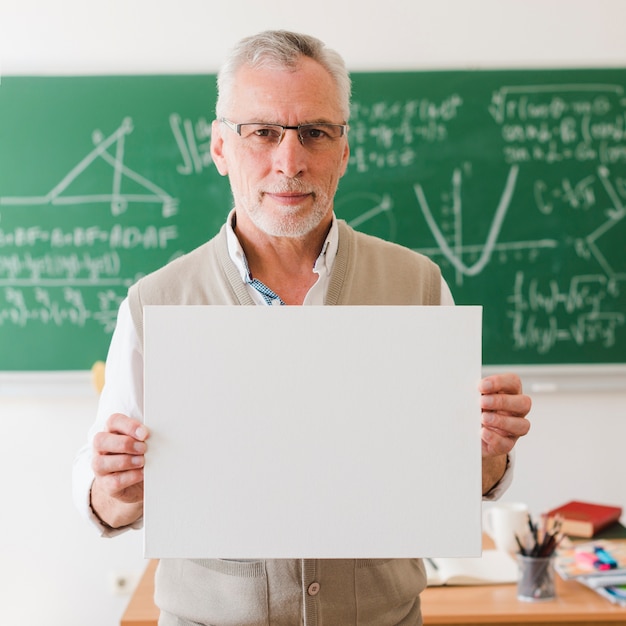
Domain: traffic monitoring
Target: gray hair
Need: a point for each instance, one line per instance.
(282, 49)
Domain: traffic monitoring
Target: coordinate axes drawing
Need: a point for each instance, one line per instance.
(454, 252)
(455, 249)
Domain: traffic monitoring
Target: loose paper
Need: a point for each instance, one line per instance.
(312, 432)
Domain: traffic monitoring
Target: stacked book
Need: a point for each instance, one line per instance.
(599, 564)
(585, 519)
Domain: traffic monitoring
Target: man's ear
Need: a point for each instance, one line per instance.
(217, 148)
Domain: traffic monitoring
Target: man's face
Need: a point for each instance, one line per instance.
(284, 190)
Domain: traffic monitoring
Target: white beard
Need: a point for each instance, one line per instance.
(290, 221)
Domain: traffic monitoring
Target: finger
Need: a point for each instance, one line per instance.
(518, 404)
(124, 425)
(113, 443)
(505, 425)
(501, 383)
(103, 464)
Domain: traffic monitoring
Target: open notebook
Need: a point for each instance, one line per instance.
(494, 566)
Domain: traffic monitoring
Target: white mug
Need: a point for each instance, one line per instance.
(503, 521)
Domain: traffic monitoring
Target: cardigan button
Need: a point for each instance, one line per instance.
(313, 589)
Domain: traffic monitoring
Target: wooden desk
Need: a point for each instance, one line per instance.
(498, 604)
(574, 605)
(141, 610)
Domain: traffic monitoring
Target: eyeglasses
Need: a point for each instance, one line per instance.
(319, 136)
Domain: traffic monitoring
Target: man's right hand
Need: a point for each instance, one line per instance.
(118, 461)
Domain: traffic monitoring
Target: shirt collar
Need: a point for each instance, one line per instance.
(324, 261)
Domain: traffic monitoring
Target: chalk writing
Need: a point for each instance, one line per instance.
(455, 255)
(194, 144)
(37, 269)
(555, 123)
(513, 182)
(59, 275)
(582, 124)
(117, 200)
(536, 320)
(383, 135)
(118, 236)
(44, 308)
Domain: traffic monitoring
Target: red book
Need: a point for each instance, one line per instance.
(584, 519)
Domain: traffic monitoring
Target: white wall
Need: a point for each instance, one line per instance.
(53, 569)
(74, 36)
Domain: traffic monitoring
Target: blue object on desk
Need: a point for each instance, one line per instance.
(605, 559)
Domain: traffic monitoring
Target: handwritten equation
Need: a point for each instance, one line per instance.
(193, 140)
(561, 152)
(542, 123)
(554, 123)
(538, 307)
(386, 135)
(73, 275)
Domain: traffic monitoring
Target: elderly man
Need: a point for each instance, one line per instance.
(281, 138)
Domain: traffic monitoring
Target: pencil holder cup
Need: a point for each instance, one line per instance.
(536, 578)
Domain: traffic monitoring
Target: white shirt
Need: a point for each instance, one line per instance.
(123, 389)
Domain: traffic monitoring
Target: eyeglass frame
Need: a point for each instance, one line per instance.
(236, 128)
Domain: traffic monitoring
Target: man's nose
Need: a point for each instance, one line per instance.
(290, 155)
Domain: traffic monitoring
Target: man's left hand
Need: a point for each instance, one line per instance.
(504, 409)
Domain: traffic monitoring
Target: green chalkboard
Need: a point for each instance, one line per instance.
(513, 181)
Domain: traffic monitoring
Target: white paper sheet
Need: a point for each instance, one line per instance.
(312, 432)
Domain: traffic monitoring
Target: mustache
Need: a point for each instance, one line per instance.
(291, 186)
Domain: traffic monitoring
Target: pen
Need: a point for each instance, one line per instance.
(533, 532)
(522, 550)
(432, 562)
(545, 547)
(533, 528)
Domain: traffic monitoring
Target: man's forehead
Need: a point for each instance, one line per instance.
(306, 88)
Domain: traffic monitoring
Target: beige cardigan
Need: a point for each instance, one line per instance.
(366, 271)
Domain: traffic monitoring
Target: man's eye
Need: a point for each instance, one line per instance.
(266, 132)
(314, 133)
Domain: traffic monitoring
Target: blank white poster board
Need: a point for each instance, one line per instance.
(312, 432)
